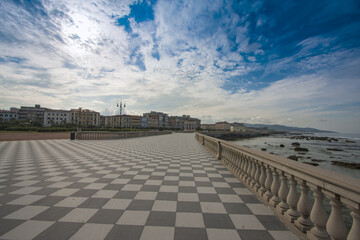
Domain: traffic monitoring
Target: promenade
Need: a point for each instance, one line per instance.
(160, 187)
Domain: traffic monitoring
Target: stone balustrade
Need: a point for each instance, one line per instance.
(117, 135)
(286, 184)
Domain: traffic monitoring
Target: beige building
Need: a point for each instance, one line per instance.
(238, 127)
(208, 127)
(56, 117)
(125, 121)
(85, 117)
(222, 126)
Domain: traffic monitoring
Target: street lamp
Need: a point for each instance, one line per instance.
(120, 106)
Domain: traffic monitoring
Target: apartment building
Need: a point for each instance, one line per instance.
(162, 118)
(32, 114)
(222, 126)
(85, 117)
(6, 115)
(54, 117)
(208, 127)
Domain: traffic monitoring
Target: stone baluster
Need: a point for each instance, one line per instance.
(354, 233)
(244, 177)
(283, 192)
(249, 179)
(262, 188)
(257, 176)
(238, 164)
(303, 222)
(335, 225)
(275, 189)
(248, 172)
(242, 165)
(253, 181)
(268, 183)
(292, 199)
(203, 140)
(318, 216)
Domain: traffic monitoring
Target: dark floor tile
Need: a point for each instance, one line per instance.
(181, 178)
(150, 188)
(48, 201)
(271, 222)
(215, 179)
(167, 196)
(255, 234)
(141, 205)
(104, 180)
(156, 177)
(125, 194)
(94, 203)
(185, 189)
(59, 231)
(161, 219)
(52, 214)
(188, 207)
(113, 186)
(182, 233)
(220, 190)
(125, 232)
(236, 185)
(45, 191)
(216, 220)
(8, 198)
(7, 224)
(78, 185)
(106, 216)
(85, 192)
(200, 174)
(205, 197)
(203, 184)
(237, 208)
(249, 199)
(172, 174)
(170, 183)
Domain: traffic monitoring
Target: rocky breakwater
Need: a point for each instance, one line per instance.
(314, 162)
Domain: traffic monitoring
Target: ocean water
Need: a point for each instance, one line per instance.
(318, 150)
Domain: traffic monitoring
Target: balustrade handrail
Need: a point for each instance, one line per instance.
(260, 171)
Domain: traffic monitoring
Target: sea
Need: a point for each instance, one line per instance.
(319, 151)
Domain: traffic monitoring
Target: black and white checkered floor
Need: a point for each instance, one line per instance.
(162, 187)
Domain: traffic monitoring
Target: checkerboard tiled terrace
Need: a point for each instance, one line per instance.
(161, 187)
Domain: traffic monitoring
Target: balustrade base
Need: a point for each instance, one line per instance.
(303, 225)
(280, 208)
(274, 203)
(315, 234)
(291, 217)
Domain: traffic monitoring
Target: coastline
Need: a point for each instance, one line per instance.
(318, 149)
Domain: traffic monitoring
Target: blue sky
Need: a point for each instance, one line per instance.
(294, 63)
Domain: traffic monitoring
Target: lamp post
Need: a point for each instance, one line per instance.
(120, 106)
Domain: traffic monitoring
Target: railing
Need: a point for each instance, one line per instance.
(117, 135)
(275, 179)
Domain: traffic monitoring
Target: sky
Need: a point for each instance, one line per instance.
(295, 63)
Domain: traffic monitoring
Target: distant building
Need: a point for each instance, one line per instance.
(144, 122)
(123, 121)
(222, 126)
(185, 122)
(85, 117)
(54, 117)
(208, 127)
(162, 118)
(32, 114)
(238, 127)
(6, 115)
